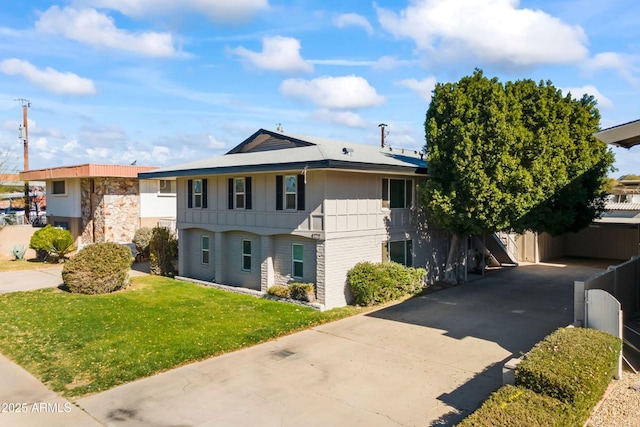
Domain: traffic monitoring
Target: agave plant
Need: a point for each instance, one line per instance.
(18, 251)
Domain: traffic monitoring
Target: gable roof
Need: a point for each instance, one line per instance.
(625, 135)
(266, 151)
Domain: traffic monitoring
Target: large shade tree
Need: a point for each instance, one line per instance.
(514, 156)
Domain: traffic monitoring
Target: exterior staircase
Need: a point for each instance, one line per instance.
(498, 247)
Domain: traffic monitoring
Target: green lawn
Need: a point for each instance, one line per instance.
(80, 344)
(23, 264)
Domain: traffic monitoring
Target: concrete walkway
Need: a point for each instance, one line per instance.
(29, 280)
(429, 361)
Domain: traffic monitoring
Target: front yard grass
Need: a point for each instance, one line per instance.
(23, 264)
(81, 344)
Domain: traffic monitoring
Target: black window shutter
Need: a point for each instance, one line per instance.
(301, 192)
(204, 193)
(247, 192)
(409, 193)
(278, 192)
(230, 194)
(190, 193)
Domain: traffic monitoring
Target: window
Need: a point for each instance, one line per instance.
(59, 188)
(239, 193)
(400, 251)
(290, 192)
(397, 193)
(298, 260)
(246, 255)
(197, 193)
(61, 224)
(204, 258)
(167, 186)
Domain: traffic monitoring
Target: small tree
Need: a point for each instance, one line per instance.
(163, 250)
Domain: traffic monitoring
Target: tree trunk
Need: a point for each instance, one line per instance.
(451, 270)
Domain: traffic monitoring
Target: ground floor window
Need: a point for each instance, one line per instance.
(400, 251)
(204, 250)
(298, 260)
(246, 255)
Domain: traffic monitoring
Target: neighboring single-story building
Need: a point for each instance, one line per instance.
(281, 208)
(99, 202)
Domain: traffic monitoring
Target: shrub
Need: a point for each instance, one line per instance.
(302, 292)
(163, 249)
(18, 252)
(51, 240)
(141, 239)
(516, 406)
(279, 291)
(98, 268)
(375, 283)
(574, 365)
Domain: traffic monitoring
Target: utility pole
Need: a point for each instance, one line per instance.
(23, 132)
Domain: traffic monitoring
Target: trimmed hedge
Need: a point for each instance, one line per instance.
(574, 365)
(376, 283)
(517, 406)
(558, 383)
(99, 268)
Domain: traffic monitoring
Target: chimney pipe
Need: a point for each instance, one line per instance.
(382, 126)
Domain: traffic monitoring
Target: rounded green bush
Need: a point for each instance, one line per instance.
(99, 268)
(376, 283)
(141, 239)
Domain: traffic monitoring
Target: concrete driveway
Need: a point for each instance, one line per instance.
(429, 361)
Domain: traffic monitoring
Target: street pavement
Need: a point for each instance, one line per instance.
(428, 361)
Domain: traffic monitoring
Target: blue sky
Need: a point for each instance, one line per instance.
(165, 82)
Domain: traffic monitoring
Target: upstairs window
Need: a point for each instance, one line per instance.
(290, 192)
(167, 186)
(239, 193)
(397, 193)
(59, 188)
(197, 193)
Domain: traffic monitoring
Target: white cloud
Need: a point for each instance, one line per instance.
(215, 143)
(49, 79)
(223, 11)
(160, 154)
(493, 31)
(344, 92)
(389, 63)
(91, 27)
(353, 19)
(71, 146)
(423, 87)
(98, 153)
(622, 64)
(43, 150)
(347, 118)
(278, 54)
(577, 93)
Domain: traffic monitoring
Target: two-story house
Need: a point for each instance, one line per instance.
(281, 208)
(99, 202)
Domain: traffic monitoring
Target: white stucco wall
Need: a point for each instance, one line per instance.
(153, 204)
(64, 205)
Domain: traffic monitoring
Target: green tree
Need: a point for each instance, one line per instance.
(515, 156)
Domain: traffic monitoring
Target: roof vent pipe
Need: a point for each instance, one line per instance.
(382, 133)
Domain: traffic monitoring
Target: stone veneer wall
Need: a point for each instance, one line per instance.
(111, 212)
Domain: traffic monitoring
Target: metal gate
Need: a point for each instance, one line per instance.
(603, 312)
